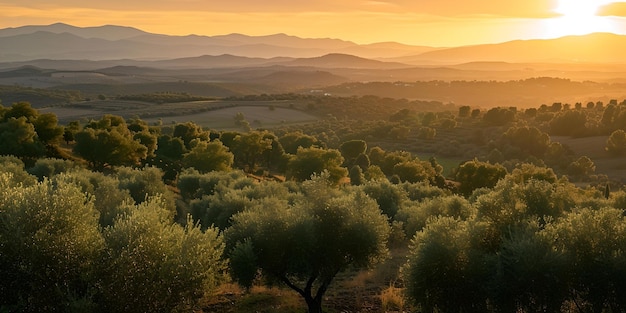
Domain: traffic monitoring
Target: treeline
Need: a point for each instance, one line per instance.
(523, 93)
(164, 97)
(116, 215)
(41, 97)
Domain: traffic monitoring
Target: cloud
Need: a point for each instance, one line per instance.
(613, 9)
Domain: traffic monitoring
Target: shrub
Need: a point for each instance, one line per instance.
(153, 265)
(49, 241)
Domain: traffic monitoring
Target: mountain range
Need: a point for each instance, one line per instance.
(109, 42)
(119, 43)
(88, 58)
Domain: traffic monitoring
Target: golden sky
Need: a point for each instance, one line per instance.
(418, 22)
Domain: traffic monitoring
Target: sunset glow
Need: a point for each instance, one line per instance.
(579, 17)
(440, 23)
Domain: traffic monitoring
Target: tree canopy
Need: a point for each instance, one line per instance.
(304, 245)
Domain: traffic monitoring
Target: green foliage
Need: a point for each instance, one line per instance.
(216, 210)
(581, 168)
(526, 141)
(40, 96)
(193, 184)
(526, 171)
(415, 215)
(18, 138)
(530, 275)
(152, 265)
(49, 167)
(188, 132)
(14, 166)
(444, 272)
(70, 130)
(362, 161)
(474, 174)
(388, 196)
(616, 144)
(569, 123)
(109, 142)
(415, 171)
(107, 195)
(168, 156)
(208, 156)
(351, 149)
(310, 161)
(356, 175)
(213, 198)
(388, 160)
(305, 244)
(427, 133)
(252, 148)
(423, 190)
(291, 142)
(510, 203)
(499, 116)
(162, 97)
(145, 183)
(48, 132)
(593, 241)
(233, 197)
(49, 242)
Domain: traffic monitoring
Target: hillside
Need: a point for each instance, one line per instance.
(593, 48)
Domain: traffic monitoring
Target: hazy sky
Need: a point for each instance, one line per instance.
(419, 22)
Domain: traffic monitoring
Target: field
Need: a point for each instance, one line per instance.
(593, 147)
(211, 114)
(257, 116)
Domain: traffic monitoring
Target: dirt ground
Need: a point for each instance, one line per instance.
(374, 290)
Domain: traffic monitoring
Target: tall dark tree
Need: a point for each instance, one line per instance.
(475, 174)
(309, 161)
(109, 142)
(351, 149)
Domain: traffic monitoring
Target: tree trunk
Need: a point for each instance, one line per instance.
(314, 305)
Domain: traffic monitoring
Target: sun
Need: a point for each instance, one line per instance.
(578, 8)
(578, 17)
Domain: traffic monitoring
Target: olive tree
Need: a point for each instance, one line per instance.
(593, 242)
(444, 271)
(304, 244)
(476, 174)
(109, 145)
(207, 156)
(309, 161)
(49, 242)
(151, 264)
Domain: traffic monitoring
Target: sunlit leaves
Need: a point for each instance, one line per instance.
(153, 265)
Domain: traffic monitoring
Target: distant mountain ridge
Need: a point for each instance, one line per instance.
(66, 47)
(109, 32)
(109, 42)
(591, 48)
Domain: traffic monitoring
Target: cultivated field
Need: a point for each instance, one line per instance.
(211, 114)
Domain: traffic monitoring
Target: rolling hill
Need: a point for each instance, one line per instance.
(592, 48)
